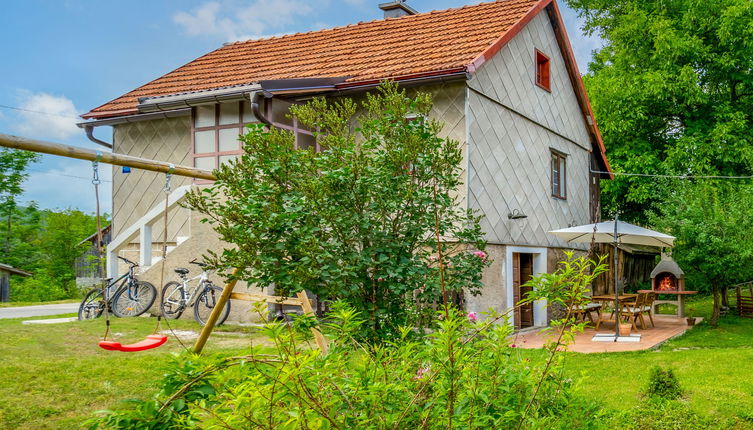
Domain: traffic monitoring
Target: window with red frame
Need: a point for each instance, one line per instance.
(543, 75)
(216, 131)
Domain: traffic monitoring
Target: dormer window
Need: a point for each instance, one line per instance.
(543, 76)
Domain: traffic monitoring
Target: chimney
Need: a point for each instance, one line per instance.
(396, 9)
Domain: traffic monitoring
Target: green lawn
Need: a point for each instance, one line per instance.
(714, 367)
(55, 376)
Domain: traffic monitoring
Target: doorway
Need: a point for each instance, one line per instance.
(522, 272)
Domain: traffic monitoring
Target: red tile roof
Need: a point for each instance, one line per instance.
(389, 48)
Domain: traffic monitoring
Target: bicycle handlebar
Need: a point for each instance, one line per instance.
(198, 263)
(128, 261)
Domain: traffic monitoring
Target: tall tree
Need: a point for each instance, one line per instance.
(358, 221)
(60, 244)
(672, 90)
(13, 165)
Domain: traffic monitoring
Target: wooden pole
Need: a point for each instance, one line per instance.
(321, 342)
(52, 148)
(218, 308)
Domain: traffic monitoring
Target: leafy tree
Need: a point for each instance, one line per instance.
(358, 221)
(23, 235)
(672, 90)
(45, 242)
(59, 244)
(13, 165)
(712, 223)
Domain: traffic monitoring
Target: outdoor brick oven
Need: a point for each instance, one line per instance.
(668, 279)
(667, 276)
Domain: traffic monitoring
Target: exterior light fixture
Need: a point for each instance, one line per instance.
(516, 214)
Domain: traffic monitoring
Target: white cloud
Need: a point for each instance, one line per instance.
(235, 22)
(47, 116)
(68, 185)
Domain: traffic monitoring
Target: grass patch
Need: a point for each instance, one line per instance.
(712, 365)
(57, 376)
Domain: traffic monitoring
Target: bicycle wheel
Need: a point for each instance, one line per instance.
(173, 303)
(205, 302)
(134, 300)
(92, 306)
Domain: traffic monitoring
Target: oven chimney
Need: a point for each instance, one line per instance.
(396, 9)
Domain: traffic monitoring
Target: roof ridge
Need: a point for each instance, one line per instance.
(359, 23)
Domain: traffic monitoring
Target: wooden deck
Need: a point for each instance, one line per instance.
(667, 327)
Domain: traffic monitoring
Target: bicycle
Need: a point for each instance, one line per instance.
(131, 297)
(178, 296)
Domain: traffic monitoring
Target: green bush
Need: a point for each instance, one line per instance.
(662, 383)
(464, 375)
(37, 288)
(660, 414)
(359, 220)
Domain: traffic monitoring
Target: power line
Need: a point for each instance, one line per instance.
(649, 175)
(39, 112)
(64, 174)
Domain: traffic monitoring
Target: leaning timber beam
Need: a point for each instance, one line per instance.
(52, 148)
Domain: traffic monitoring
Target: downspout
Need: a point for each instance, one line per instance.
(256, 107)
(90, 134)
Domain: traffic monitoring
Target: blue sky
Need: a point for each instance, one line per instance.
(65, 57)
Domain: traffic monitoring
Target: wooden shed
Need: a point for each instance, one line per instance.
(5, 272)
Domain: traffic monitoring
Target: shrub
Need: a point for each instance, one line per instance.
(662, 383)
(660, 414)
(466, 374)
(359, 220)
(37, 288)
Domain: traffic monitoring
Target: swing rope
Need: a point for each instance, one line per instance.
(152, 341)
(167, 189)
(101, 261)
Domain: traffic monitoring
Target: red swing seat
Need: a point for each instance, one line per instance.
(151, 341)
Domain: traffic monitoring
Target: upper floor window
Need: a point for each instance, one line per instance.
(559, 175)
(216, 131)
(543, 76)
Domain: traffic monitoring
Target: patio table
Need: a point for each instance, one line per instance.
(607, 298)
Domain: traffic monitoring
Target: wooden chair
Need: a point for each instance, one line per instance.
(642, 305)
(584, 311)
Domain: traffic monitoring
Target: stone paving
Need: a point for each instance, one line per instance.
(667, 327)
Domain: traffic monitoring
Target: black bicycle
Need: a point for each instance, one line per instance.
(126, 296)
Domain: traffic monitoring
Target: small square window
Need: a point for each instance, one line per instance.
(559, 175)
(543, 76)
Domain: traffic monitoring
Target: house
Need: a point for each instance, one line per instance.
(505, 83)
(5, 273)
(88, 266)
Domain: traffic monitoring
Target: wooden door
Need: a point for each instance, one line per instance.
(522, 268)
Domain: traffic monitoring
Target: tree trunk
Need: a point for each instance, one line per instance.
(717, 306)
(8, 235)
(725, 298)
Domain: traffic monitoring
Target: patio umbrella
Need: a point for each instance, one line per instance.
(615, 232)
